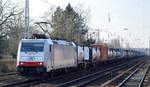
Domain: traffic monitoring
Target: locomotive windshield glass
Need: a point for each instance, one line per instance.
(32, 47)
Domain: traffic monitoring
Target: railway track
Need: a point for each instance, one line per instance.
(84, 81)
(132, 77)
(136, 78)
(89, 78)
(10, 73)
(9, 80)
(4, 77)
(26, 82)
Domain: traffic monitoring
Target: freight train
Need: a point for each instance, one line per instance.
(47, 55)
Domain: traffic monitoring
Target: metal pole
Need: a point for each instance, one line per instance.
(27, 18)
(98, 36)
(90, 36)
(119, 42)
(149, 46)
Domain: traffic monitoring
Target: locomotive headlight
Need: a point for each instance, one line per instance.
(21, 63)
(40, 63)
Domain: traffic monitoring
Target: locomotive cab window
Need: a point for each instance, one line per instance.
(32, 47)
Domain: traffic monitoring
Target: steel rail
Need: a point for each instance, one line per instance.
(10, 73)
(84, 77)
(130, 76)
(50, 79)
(118, 76)
(11, 84)
(27, 82)
(141, 83)
(91, 75)
(42, 81)
(99, 76)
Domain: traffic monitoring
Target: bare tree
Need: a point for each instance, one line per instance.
(7, 11)
(11, 26)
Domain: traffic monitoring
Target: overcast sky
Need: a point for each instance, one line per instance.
(131, 14)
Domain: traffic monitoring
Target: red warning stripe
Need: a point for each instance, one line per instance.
(30, 63)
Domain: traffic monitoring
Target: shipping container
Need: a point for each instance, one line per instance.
(80, 54)
(103, 52)
(93, 54)
(86, 53)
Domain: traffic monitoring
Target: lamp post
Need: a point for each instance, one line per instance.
(127, 45)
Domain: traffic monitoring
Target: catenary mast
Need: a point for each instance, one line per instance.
(27, 19)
